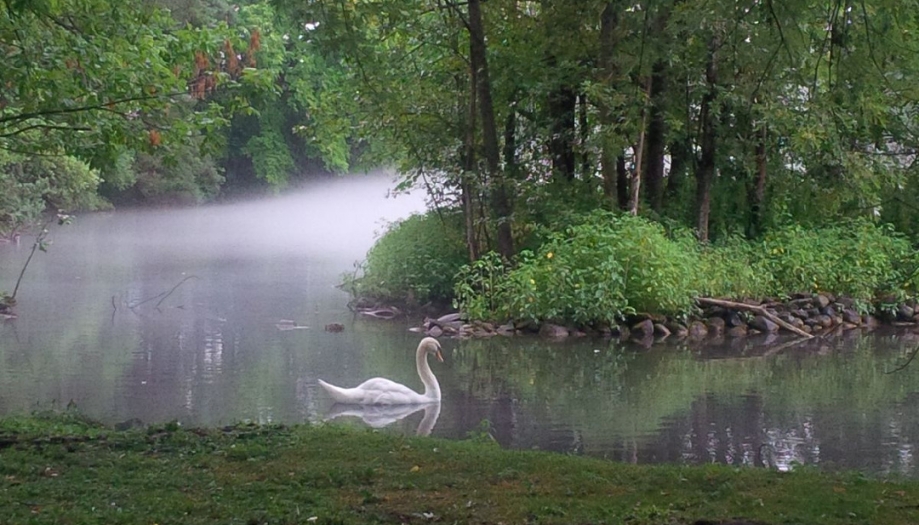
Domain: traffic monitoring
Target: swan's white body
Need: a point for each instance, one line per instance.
(381, 391)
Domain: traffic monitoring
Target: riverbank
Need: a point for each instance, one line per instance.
(62, 469)
(805, 315)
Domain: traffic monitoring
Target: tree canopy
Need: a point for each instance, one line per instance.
(731, 118)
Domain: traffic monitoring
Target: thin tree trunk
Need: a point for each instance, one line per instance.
(758, 196)
(500, 201)
(584, 136)
(469, 163)
(562, 108)
(609, 157)
(635, 189)
(680, 157)
(510, 144)
(657, 129)
(622, 183)
(705, 174)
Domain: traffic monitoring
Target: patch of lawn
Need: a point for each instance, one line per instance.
(66, 470)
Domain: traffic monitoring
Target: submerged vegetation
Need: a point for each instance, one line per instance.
(62, 467)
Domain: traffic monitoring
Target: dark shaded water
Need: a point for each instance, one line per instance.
(93, 330)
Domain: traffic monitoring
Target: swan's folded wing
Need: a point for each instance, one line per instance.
(376, 391)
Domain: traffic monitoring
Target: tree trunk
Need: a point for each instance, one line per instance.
(584, 130)
(609, 158)
(510, 145)
(705, 173)
(500, 202)
(758, 195)
(467, 186)
(562, 107)
(622, 183)
(654, 147)
(635, 189)
(680, 157)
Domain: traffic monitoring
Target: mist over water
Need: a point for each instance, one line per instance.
(216, 314)
(175, 313)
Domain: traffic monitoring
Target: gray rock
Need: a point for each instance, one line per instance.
(553, 331)
(851, 316)
(643, 329)
(435, 331)
(677, 329)
(715, 325)
(822, 301)
(661, 330)
(763, 324)
(485, 326)
(905, 312)
(506, 329)
(697, 329)
(734, 319)
(830, 311)
(737, 331)
(527, 326)
(824, 321)
(845, 302)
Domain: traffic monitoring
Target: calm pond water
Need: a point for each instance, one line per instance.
(97, 328)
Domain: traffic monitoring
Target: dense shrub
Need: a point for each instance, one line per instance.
(414, 262)
(595, 271)
(604, 266)
(734, 268)
(858, 259)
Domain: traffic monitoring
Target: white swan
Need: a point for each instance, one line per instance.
(381, 391)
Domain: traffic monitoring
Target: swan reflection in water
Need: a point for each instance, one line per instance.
(379, 416)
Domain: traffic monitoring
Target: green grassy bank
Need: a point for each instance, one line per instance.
(61, 469)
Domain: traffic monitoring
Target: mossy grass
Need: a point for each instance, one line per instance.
(63, 469)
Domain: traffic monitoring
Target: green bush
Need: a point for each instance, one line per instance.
(859, 259)
(414, 262)
(185, 176)
(29, 185)
(734, 268)
(482, 288)
(595, 271)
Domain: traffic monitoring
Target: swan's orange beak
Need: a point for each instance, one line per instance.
(440, 357)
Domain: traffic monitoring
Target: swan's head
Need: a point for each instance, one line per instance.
(431, 346)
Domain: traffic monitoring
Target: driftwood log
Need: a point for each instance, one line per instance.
(756, 309)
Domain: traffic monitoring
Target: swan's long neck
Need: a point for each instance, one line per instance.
(431, 386)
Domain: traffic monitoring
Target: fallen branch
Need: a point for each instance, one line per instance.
(754, 308)
(39, 244)
(161, 296)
